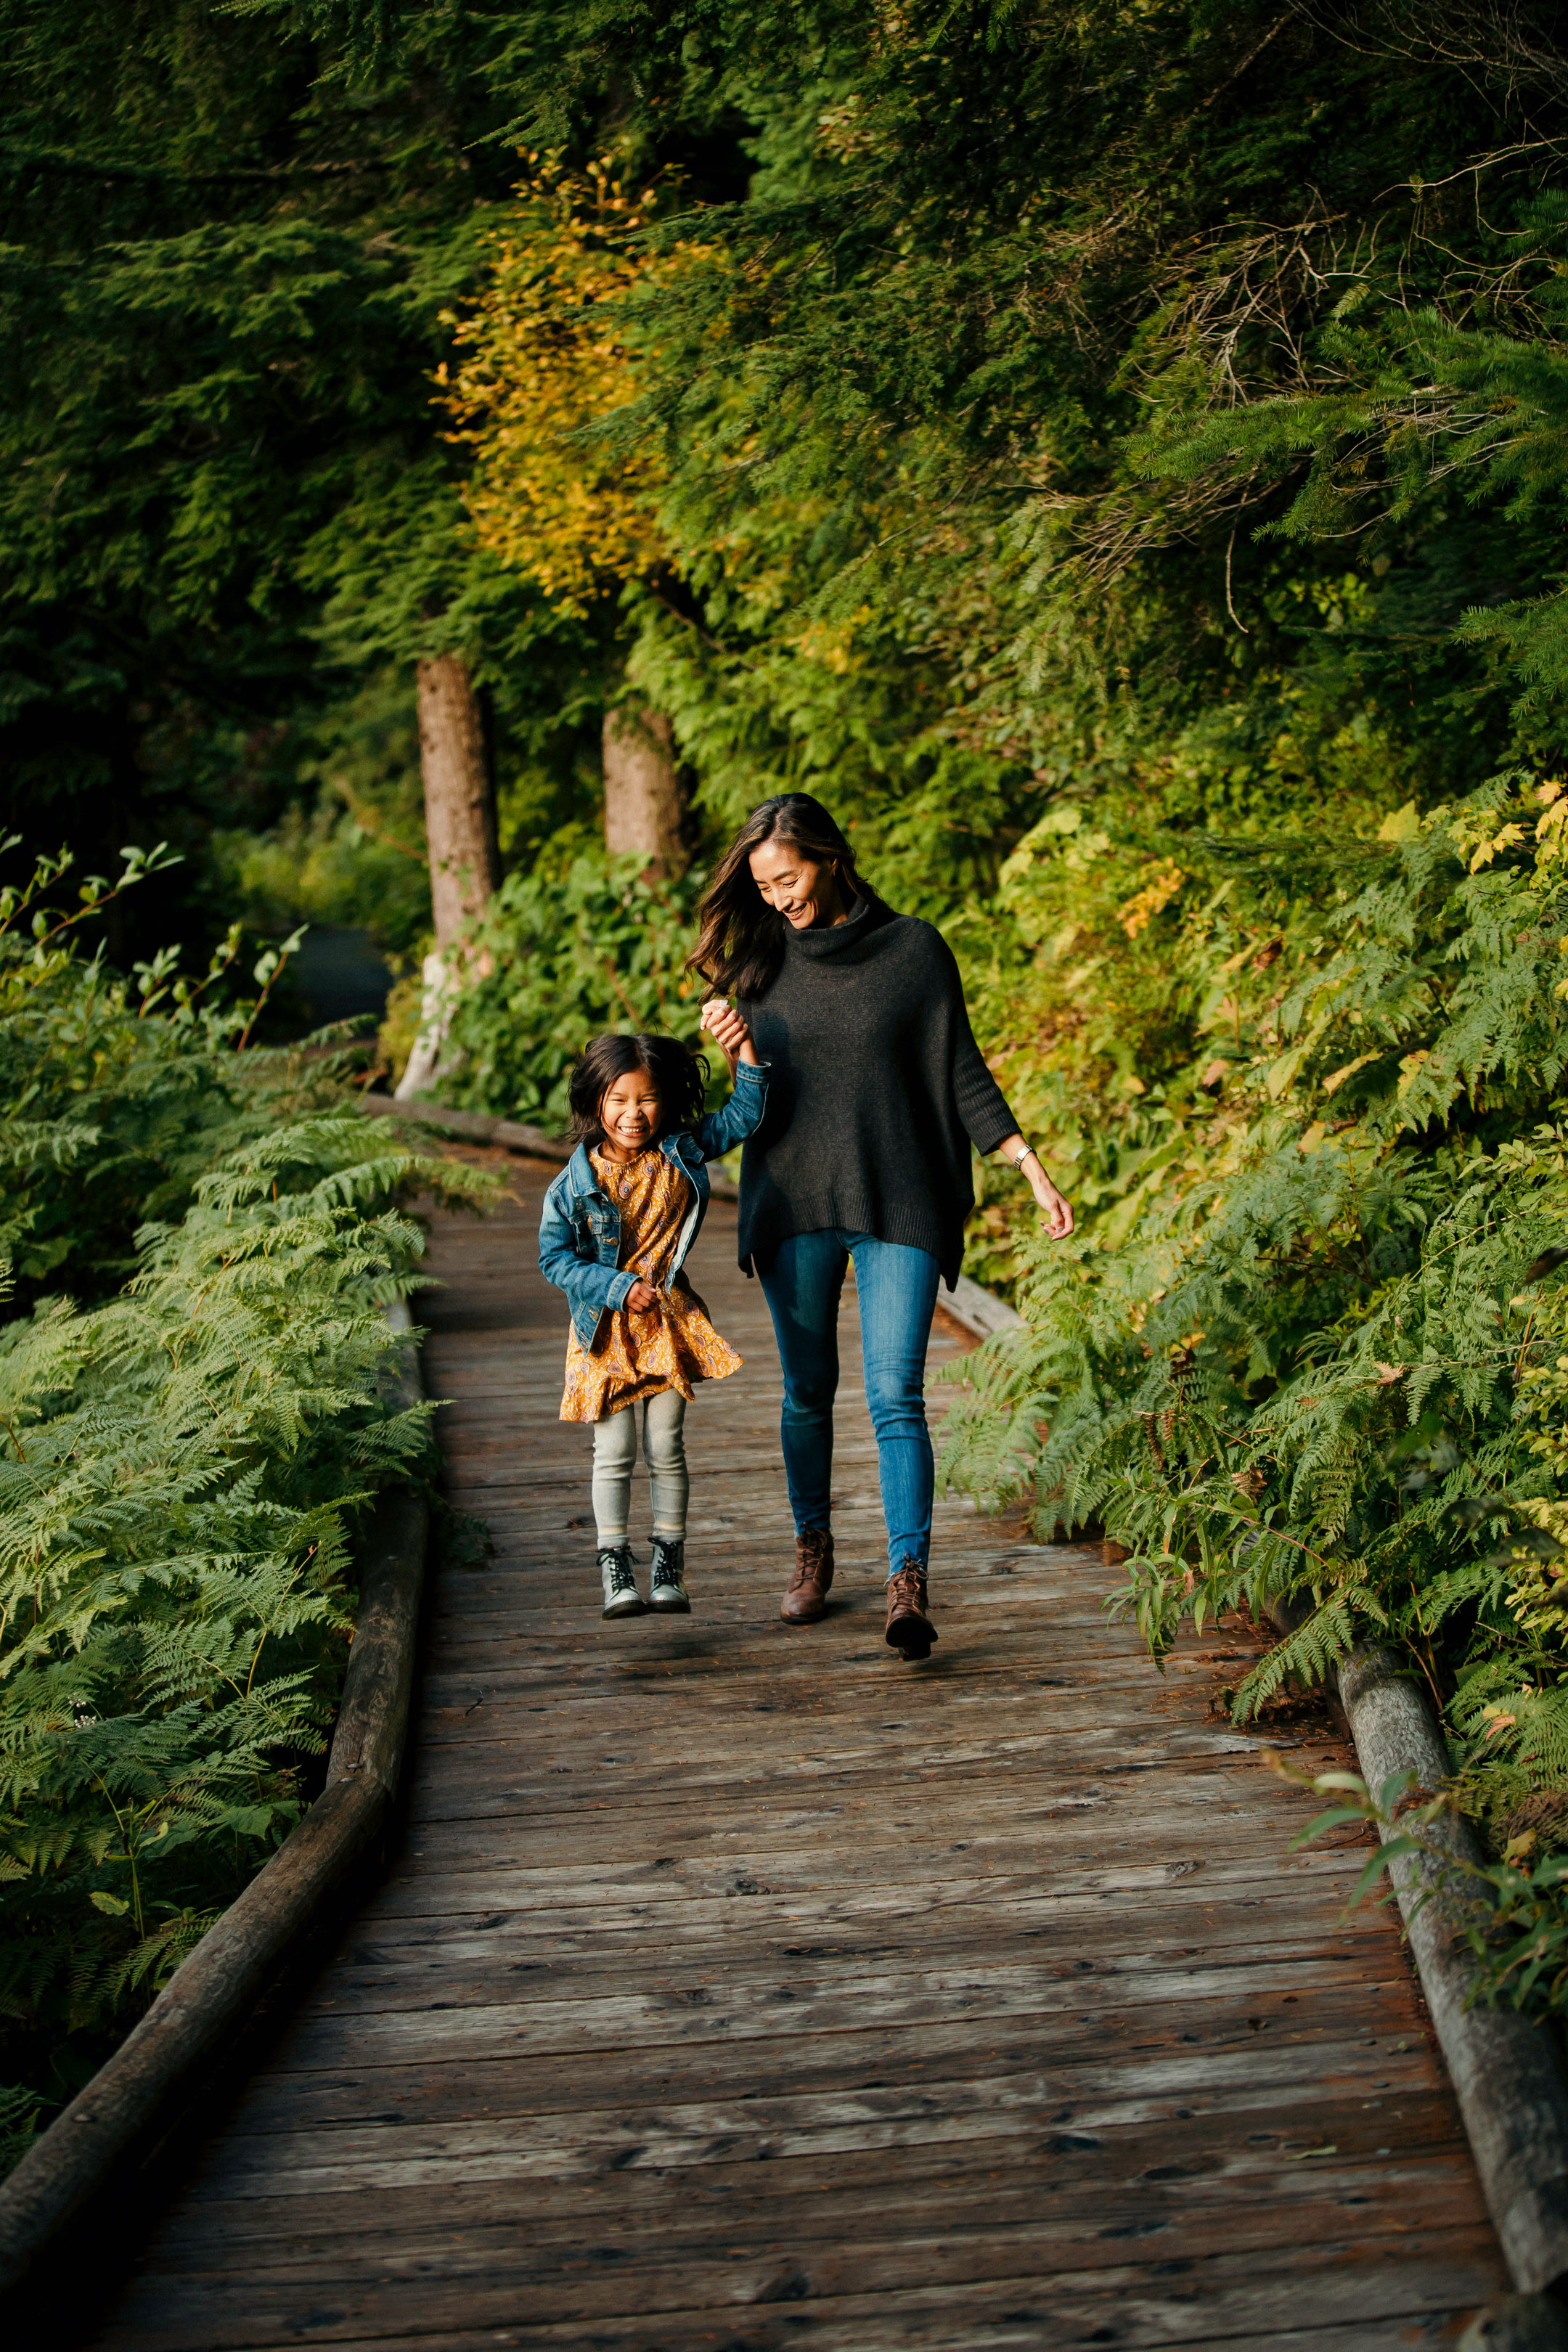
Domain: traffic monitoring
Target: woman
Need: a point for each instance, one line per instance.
(876, 1092)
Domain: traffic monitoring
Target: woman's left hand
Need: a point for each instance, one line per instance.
(1055, 1213)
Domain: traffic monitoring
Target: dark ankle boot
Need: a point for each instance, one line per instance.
(806, 1599)
(910, 1630)
(622, 1598)
(666, 1581)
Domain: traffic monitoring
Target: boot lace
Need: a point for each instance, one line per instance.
(810, 1555)
(619, 1564)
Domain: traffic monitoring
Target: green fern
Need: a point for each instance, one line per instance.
(1327, 1356)
(1310, 1653)
(182, 1470)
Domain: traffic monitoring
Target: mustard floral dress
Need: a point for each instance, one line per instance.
(671, 1345)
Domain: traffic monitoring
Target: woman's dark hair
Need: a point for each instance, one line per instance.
(681, 1077)
(740, 946)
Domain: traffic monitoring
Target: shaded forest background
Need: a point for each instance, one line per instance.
(457, 460)
(1098, 430)
(920, 337)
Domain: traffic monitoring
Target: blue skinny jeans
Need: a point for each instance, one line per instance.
(897, 1290)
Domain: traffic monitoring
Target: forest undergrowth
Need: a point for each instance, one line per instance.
(197, 1243)
(1313, 1347)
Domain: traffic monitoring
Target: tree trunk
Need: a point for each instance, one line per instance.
(642, 792)
(459, 804)
(460, 836)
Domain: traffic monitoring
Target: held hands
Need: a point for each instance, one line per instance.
(728, 1031)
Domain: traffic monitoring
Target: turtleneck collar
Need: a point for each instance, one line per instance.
(838, 938)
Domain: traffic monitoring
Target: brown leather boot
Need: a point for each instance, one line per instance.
(910, 1630)
(806, 1599)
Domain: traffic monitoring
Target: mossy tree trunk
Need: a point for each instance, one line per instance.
(459, 799)
(461, 842)
(642, 790)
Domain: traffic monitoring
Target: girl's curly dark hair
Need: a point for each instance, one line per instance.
(680, 1076)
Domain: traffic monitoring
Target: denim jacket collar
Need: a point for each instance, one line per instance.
(583, 1177)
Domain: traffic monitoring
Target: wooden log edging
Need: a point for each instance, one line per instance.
(139, 2092)
(1504, 2069)
(473, 1126)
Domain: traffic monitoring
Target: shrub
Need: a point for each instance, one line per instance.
(1312, 1343)
(598, 947)
(182, 1469)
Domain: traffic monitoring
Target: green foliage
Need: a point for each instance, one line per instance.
(225, 494)
(1405, 398)
(179, 1477)
(22, 2115)
(1512, 1913)
(351, 850)
(572, 953)
(1310, 1344)
(182, 1467)
(100, 1106)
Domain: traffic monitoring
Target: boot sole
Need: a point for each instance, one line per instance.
(629, 1609)
(681, 1608)
(911, 1637)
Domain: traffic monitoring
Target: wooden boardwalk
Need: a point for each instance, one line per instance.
(743, 1988)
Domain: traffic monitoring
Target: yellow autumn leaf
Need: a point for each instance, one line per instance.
(1150, 900)
(1281, 1075)
(547, 356)
(1486, 851)
(1336, 1078)
(1400, 824)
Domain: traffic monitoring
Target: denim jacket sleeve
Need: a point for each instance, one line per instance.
(566, 1258)
(722, 1130)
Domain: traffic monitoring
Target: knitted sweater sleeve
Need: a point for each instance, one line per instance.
(981, 1105)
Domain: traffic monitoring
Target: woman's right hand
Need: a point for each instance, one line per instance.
(641, 1296)
(727, 1029)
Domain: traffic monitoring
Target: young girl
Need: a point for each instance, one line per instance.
(617, 1226)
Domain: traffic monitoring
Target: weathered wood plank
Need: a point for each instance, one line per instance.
(1277, 2098)
(768, 2305)
(1181, 2051)
(601, 2282)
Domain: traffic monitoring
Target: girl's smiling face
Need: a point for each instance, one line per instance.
(630, 1115)
(794, 887)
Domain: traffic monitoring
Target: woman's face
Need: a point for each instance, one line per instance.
(630, 1112)
(800, 890)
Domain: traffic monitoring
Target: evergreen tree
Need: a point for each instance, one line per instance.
(227, 499)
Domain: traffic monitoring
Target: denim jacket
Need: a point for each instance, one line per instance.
(579, 1232)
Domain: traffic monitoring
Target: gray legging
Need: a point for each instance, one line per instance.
(664, 1451)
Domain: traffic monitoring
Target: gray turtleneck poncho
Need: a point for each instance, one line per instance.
(876, 1091)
